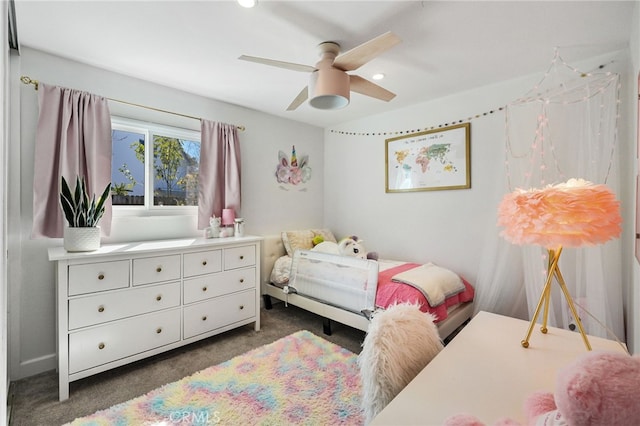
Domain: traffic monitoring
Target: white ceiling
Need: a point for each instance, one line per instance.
(448, 46)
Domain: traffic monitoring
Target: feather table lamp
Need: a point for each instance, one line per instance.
(576, 213)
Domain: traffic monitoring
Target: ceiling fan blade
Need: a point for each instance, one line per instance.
(302, 96)
(360, 55)
(280, 64)
(365, 87)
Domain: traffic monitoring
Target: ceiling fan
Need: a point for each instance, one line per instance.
(329, 84)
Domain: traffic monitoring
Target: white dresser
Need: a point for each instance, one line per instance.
(128, 301)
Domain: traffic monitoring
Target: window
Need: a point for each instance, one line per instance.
(154, 167)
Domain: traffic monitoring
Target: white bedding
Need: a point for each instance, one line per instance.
(276, 276)
(438, 283)
(281, 270)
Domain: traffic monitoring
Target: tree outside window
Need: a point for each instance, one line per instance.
(173, 169)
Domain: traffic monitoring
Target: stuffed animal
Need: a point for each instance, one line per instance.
(348, 246)
(345, 247)
(598, 389)
(213, 231)
(371, 255)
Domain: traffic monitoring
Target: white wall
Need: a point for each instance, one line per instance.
(446, 227)
(633, 312)
(265, 206)
(4, 143)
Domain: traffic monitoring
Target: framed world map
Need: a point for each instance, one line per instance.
(431, 160)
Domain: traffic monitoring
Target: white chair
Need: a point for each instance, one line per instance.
(399, 343)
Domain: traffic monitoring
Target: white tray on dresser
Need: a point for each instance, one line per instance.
(129, 301)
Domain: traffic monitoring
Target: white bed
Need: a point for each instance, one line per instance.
(273, 249)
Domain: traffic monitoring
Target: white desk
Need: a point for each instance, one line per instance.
(485, 371)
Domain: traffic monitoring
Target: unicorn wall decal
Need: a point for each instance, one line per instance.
(294, 172)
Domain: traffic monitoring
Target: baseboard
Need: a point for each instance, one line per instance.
(10, 394)
(35, 366)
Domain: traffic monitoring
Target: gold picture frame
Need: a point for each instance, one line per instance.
(429, 161)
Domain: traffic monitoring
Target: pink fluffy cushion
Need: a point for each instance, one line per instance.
(462, 420)
(540, 408)
(600, 389)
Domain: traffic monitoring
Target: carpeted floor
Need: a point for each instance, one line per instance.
(35, 399)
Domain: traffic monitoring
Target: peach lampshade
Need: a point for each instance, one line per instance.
(571, 214)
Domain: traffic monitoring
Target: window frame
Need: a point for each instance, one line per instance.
(149, 129)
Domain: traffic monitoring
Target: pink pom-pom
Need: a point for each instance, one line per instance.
(462, 420)
(538, 403)
(506, 422)
(600, 389)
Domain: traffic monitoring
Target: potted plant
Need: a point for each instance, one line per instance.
(83, 232)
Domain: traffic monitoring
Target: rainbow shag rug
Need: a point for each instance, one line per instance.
(300, 379)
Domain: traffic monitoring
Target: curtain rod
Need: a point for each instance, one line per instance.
(29, 80)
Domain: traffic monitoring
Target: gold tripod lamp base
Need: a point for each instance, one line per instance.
(545, 297)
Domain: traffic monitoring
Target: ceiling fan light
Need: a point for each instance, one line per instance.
(329, 89)
(329, 102)
(247, 3)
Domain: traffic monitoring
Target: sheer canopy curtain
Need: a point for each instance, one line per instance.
(73, 138)
(219, 176)
(565, 127)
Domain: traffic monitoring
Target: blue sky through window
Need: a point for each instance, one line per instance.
(123, 156)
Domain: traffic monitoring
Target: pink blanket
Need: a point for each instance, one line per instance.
(391, 292)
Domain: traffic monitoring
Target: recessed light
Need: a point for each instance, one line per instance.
(247, 3)
(378, 76)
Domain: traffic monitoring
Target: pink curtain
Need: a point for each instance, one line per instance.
(73, 138)
(219, 176)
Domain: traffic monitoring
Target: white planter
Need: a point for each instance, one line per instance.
(81, 239)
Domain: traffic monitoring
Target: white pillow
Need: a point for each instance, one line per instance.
(303, 239)
(281, 270)
(437, 282)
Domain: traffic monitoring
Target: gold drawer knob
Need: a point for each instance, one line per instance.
(241, 307)
(159, 297)
(100, 308)
(204, 263)
(159, 269)
(204, 318)
(204, 288)
(101, 277)
(101, 346)
(159, 330)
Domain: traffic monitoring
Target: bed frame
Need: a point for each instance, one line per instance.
(273, 248)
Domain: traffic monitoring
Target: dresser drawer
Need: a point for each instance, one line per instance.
(205, 287)
(202, 262)
(96, 309)
(92, 277)
(100, 345)
(215, 313)
(239, 257)
(156, 269)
